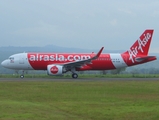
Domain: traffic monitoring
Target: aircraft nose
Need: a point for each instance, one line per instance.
(4, 63)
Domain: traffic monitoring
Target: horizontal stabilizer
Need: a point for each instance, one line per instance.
(140, 59)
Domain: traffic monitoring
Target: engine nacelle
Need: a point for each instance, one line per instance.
(54, 70)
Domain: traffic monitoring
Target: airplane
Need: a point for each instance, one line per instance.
(60, 63)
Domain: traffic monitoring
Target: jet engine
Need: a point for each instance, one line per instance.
(54, 69)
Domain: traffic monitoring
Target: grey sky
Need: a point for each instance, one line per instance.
(114, 24)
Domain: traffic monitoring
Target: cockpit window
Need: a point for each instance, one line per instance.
(11, 59)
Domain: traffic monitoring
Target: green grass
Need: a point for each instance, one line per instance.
(93, 100)
(83, 76)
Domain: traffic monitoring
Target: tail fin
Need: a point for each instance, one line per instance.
(141, 46)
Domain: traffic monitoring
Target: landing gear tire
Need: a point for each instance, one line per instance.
(74, 75)
(21, 76)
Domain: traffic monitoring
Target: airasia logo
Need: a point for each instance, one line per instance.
(54, 70)
(141, 44)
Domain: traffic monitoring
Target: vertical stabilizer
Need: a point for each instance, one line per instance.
(141, 46)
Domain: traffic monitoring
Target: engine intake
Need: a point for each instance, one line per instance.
(54, 69)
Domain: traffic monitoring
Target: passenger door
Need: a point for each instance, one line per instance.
(21, 59)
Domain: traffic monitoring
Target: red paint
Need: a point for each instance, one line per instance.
(139, 49)
(54, 70)
(40, 61)
(102, 63)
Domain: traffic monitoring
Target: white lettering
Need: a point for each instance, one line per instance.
(57, 57)
(61, 58)
(76, 57)
(140, 47)
(52, 58)
(41, 57)
(85, 57)
(32, 58)
(46, 58)
(37, 57)
(70, 58)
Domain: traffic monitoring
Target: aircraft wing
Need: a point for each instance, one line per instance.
(82, 62)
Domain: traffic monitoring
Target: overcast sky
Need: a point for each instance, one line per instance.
(89, 24)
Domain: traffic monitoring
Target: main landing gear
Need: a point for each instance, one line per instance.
(74, 75)
(22, 75)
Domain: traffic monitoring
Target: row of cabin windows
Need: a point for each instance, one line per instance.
(108, 59)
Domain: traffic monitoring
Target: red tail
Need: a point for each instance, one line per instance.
(140, 47)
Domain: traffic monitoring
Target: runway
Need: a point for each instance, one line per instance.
(78, 79)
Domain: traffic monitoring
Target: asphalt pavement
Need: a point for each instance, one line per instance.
(78, 79)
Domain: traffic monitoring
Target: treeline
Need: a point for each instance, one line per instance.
(134, 70)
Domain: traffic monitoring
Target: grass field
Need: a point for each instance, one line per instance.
(79, 100)
(83, 76)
